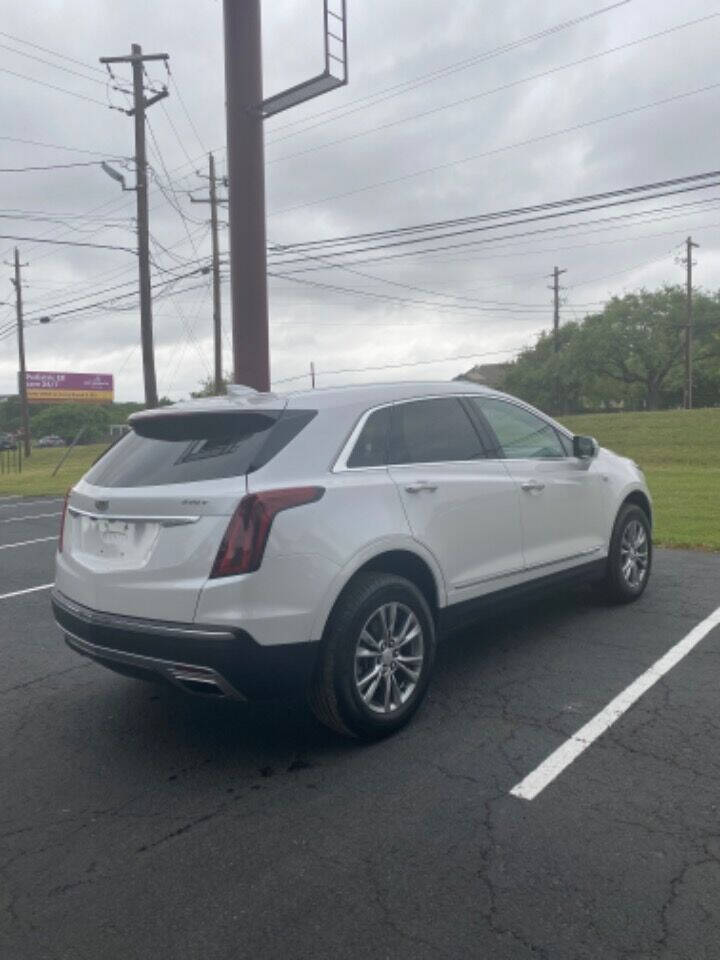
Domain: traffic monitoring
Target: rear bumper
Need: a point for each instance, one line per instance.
(201, 659)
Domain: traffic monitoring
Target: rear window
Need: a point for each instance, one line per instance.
(184, 448)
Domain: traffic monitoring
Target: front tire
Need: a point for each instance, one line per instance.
(377, 657)
(630, 556)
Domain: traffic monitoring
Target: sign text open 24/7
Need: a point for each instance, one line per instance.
(53, 387)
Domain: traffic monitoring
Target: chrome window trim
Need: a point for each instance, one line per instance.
(339, 465)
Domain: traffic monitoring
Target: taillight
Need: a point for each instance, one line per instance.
(62, 521)
(243, 545)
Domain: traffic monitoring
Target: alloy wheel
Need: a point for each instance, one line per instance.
(634, 554)
(389, 656)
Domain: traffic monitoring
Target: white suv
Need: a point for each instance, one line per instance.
(256, 545)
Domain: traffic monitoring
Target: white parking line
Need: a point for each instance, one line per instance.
(25, 543)
(34, 516)
(30, 503)
(19, 593)
(11, 496)
(535, 782)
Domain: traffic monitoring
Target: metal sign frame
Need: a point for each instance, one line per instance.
(336, 57)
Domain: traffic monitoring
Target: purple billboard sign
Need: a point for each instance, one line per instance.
(55, 387)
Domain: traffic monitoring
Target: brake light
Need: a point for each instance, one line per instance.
(62, 521)
(243, 545)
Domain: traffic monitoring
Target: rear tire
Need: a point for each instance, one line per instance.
(630, 556)
(377, 657)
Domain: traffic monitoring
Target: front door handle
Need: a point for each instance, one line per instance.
(532, 486)
(422, 486)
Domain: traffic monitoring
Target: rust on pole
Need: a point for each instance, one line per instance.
(246, 186)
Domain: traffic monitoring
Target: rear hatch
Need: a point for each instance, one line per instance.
(144, 525)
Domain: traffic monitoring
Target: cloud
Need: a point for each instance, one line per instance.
(391, 46)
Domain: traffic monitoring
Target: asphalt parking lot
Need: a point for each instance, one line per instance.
(138, 823)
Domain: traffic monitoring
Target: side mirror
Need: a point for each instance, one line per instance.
(585, 448)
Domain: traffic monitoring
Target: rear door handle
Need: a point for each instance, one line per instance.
(532, 486)
(422, 486)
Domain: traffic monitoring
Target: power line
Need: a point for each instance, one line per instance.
(67, 243)
(571, 202)
(498, 150)
(396, 121)
(437, 307)
(400, 366)
(54, 53)
(521, 235)
(370, 100)
(50, 166)
(189, 118)
(52, 86)
(49, 63)
(56, 146)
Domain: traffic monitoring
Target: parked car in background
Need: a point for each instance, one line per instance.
(7, 442)
(257, 545)
(50, 441)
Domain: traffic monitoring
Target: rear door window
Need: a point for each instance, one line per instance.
(185, 448)
(433, 431)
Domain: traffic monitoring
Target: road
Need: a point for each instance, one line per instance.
(138, 823)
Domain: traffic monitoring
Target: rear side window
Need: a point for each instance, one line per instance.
(433, 431)
(180, 448)
(371, 449)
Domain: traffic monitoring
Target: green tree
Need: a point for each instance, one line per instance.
(554, 381)
(637, 343)
(65, 420)
(207, 387)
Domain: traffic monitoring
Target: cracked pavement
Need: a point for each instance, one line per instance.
(136, 823)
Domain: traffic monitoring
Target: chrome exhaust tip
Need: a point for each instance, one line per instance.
(200, 681)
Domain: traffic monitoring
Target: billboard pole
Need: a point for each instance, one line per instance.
(246, 111)
(24, 413)
(246, 188)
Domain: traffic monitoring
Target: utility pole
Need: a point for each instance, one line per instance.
(213, 200)
(312, 373)
(556, 307)
(24, 412)
(140, 104)
(688, 261)
(246, 174)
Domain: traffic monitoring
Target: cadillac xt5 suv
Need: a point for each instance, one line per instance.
(260, 545)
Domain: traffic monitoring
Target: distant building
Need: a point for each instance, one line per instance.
(489, 374)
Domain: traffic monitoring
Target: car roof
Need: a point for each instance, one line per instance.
(370, 394)
(355, 395)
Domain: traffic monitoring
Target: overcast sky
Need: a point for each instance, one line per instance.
(319, 188)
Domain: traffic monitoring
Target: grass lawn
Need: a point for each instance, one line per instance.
(679, 450)
(36, 477)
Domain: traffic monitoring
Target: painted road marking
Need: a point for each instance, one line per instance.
(19, 593)
(535, 782)
(31, 503)
(35, 516)
(25, 543)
